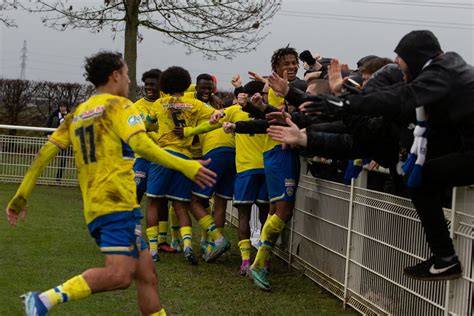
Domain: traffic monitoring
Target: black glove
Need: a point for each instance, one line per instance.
(307, 57)
(327, 105)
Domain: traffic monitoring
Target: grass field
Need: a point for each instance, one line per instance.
(54, 245)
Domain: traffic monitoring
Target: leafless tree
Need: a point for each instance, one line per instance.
(7, 5)
(213, 27)
(15, 96)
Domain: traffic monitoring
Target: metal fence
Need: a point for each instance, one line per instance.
(352, 241)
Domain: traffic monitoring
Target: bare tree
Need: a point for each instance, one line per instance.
(7, 5)
(213, 27)
(15, 96)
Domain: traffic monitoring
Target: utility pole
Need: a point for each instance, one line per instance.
(24, 50)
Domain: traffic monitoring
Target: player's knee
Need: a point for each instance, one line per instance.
(121, 278)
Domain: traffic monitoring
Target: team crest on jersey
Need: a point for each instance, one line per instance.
(134, 120)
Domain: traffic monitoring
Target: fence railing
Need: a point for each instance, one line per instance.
(352, 241)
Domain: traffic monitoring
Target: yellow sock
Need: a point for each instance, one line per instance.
(187, 234)
(207, 223)
(161, 312)
(270, 232)
(162, 231)
(71, 290)
(245, 246)
(152, 235)
(203, 229)
(173, 219)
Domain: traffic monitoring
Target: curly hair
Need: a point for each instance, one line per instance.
(152, 73)
(101, 65)
(280, 53)
(175, 80)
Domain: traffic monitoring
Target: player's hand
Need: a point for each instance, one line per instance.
(16, 209)
(179, 131)
(279, 84)
(236, 82)
(256, 76)
(216, 116)
(278, 117)
(257, 101)
(205, 177)
(290, 135)
(228, 127)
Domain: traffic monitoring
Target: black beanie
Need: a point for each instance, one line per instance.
(253, 87)
(416, 48)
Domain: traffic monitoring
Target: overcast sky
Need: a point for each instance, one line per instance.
(346, 29)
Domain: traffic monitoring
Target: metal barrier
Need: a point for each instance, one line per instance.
(17, 154)
(352, 241)
(355, 243)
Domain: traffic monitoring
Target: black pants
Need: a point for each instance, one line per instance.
(439, 174)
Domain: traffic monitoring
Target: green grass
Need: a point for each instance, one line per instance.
(53, 245)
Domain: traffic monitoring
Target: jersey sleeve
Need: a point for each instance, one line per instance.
(61, 137)
(127, 121)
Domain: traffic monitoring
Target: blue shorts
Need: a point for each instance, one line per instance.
(250, 187)
(168, 183)
(141, 168)
(282, 171)
(119, 233)
(223, 164)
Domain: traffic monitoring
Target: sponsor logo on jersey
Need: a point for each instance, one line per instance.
(134, 120)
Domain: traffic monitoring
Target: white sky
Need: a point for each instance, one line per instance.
(346, 29)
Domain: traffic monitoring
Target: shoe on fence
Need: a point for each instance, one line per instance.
(435, 269)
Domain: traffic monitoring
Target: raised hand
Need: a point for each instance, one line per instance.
(256, 76)
(278, 117)
(228, 127)
(335, 77)
(279, 84)
(235, 81)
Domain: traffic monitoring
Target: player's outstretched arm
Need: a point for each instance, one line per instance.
(17, 206)
(192, 169)
(201, 129)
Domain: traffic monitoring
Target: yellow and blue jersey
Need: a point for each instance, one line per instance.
(99, 130)
(171, 112)
(213, 139)
(278, 102)
(249, 148)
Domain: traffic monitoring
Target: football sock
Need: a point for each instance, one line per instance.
(244, 246)
(207, 223)
(162, 231)
(173, 219)
(187, 233)
(204, 235)
(152, 235)
(161, 312)
(73, 289)
(270, 232)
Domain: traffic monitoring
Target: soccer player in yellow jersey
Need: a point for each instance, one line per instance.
(151, 80)
(103, 132)
(281, 172)
(220, 148)
(172, 114)
(250, 185)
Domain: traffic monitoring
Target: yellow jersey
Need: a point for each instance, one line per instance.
(144, 106)
(249, 148)
(213, 139)
(278, 102)
(171, 112)
(99, 130)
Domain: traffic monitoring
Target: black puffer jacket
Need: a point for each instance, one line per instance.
(444, 86)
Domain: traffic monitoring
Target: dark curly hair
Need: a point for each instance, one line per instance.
(204, 77)
(101, 65)
(175, 80)
(280, 53)
(152, 73)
